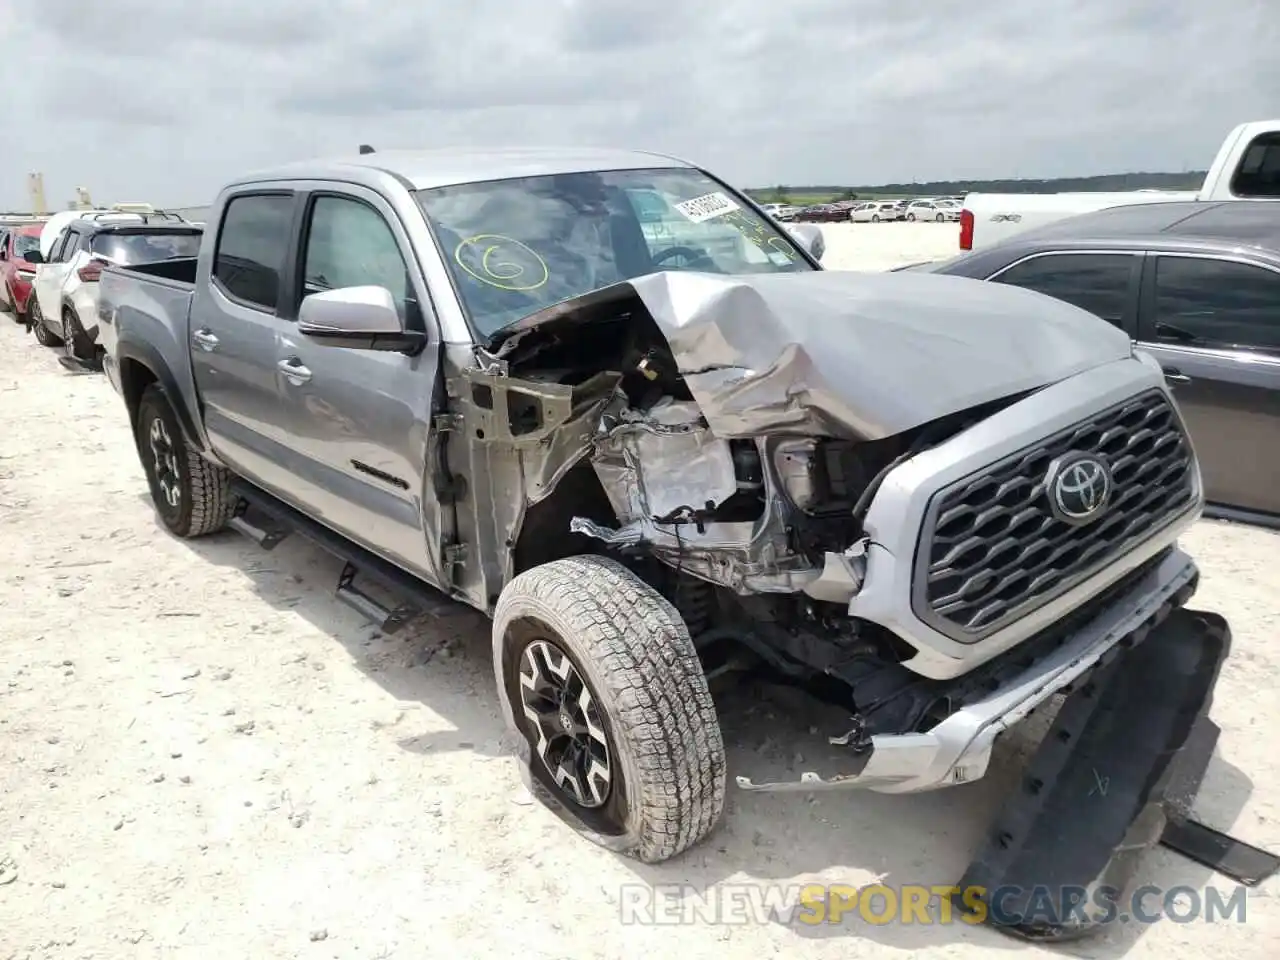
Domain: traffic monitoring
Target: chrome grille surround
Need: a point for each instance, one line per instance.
(991, 550)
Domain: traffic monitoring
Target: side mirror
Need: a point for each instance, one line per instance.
(33, 256)
(810, 237)
(364, 318)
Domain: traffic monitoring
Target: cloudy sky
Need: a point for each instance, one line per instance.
(161, 100)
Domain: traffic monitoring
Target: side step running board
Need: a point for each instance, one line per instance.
(389, 619)
(267, 539)
(1116, 774)
(415, 597)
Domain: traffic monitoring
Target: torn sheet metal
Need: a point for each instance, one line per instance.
(664, 460)
(851, 355)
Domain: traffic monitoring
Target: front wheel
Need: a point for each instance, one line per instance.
(875, 218)
(940, 218)
(619, 732)
(911, 217)
(191, 495)
(35, 320)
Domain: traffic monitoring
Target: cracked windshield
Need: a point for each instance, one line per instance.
(517, 246)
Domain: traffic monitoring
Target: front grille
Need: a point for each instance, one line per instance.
(991, 550)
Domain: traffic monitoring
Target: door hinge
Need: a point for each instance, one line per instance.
(445, 422)
(455, 554)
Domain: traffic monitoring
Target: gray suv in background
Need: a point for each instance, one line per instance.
(1197, 286)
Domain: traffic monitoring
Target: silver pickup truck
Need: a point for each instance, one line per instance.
(662, 451)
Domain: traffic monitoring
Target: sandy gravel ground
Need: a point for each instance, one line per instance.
(203, 754)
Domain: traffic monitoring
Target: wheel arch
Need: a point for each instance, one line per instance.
(141, 365)
(544, 532)
(69, 305)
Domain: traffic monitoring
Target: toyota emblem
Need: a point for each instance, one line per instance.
(1079, 487)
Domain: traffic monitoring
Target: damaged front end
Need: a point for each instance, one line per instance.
(763, 451)
(752, 419)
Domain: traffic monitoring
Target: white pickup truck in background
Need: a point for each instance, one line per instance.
(1247, 167)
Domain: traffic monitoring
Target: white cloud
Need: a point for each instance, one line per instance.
(162, 100)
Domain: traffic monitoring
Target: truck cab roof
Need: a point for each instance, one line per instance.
(424, 169)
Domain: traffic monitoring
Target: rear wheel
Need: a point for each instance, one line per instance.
(191, 495)
(605, 686)
(911, 217)
(875, 218)
(76, 342)
(940, 218)
(35, 320)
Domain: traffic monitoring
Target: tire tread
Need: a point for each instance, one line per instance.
(637, 641)
(209, 485)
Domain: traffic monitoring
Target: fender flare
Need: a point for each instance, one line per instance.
(151, 358)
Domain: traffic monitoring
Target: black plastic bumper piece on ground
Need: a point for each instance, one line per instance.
(1123, 759)
(1233, 858)
(76, 365)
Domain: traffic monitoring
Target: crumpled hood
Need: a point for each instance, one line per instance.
(858, 356)
(864, 355)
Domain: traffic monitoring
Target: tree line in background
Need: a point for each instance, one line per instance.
(1190, 180)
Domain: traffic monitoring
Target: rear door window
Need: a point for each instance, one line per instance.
(1216, 303)
(253, 244)
(1101, 283)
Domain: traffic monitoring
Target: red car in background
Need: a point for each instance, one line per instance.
(822, 213)
(16, 273)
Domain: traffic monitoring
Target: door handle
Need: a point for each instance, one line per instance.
(1175, 376)
(294, 371)
(205, 340)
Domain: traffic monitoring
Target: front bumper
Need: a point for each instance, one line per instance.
(958, 749)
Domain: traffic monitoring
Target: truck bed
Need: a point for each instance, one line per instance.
(148, 306)
(180, 271)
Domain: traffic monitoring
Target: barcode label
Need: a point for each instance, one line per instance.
(707, 206)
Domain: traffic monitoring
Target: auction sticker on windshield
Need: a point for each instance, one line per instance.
(707, 206)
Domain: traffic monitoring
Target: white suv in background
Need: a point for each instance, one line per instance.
(63, 310)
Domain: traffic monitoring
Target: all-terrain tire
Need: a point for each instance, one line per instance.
(176, 471)
(639, 664)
